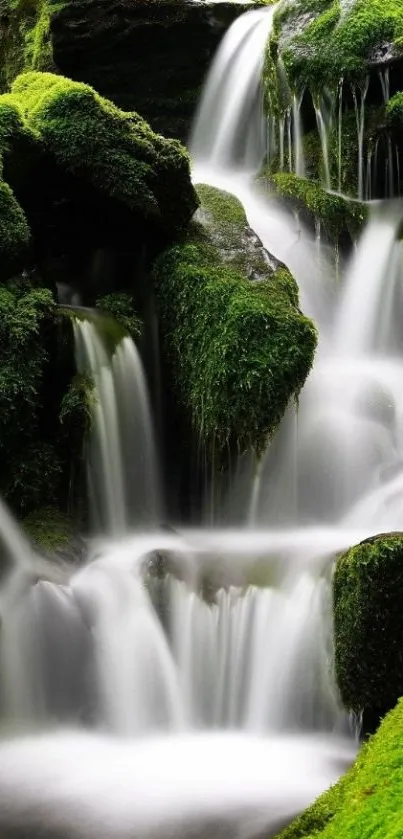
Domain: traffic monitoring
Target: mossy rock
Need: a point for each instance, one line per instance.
(337, 216)
(322, 41)
(223, 217)
(239, 350)
(366, 802)
(115, 152)
(368, 623)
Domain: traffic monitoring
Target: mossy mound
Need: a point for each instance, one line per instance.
(368, 623)
(366, 802)
(337, 216)
(239, 350)
(115, 152)
(322, 41)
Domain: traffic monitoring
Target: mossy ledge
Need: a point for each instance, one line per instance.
(366, 802)
(239, 350)
(339, 218)
(368, 624)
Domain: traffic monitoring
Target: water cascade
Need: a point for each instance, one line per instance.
(182, 680)
(122, 468)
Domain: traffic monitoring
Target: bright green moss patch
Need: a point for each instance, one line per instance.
(115, 152)
(366, 802)
(335, 214)
(320, 43)
(48, 528)
(239, 350)
(368, 623)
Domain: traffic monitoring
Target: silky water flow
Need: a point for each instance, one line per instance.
(135, 699)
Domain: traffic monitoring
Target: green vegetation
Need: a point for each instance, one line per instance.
(239, 350)
(48, 528)
(394, 111)
(30, 467)
(120, 306)
(368, 591)
(329, 44)
(76, 411)
(336, 214)
(112, 151)
(25, 42)
(14, 233)
(366, 802)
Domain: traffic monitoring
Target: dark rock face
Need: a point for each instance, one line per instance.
(150, 57)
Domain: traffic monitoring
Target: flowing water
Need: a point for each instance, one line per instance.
(182, 681)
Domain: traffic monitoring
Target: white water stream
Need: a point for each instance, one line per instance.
(136, 702)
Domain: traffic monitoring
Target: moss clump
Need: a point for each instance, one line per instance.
(368, 592)
(76, 410)
(320, 42)
(394, 111)
(120, 305)
(48, 528)
(115, 152)
(366, 802)
(239, 350)
(335, 214)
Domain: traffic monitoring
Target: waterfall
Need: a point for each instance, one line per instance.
(297, 133)
(122, 469)
(229, 128)
(360, 120)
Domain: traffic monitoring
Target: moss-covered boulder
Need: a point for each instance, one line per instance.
(322, 41)
(368, 623)
(366, 802)
(115, 152)
(239, 350)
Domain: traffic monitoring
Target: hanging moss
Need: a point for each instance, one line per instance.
(120, 305)
(25, 42)
(368, 592)
(335, 214)
(239, 350)
(366, 802)
(320, 43)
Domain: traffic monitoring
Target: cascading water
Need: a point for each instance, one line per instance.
(183, 681)
(122, 461)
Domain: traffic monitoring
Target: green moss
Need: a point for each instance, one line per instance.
(366, 802)
(120, 305)
(25, 42)
(115, 152)
(329, 44)
(394, 111)
(368, 592)
(239, 350)
(30, 467)
(336, 214)
(48, 528)
(14, 233)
